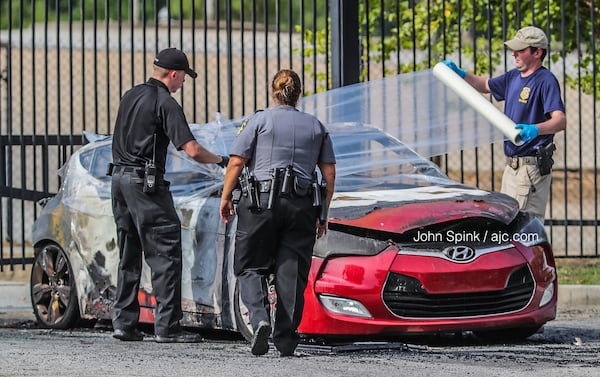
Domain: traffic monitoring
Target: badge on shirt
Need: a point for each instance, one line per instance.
(244, 123)
(524, 96)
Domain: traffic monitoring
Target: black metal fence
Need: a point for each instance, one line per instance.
(65, 64)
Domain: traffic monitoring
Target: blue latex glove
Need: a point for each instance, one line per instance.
(528, 131)
(459, 71)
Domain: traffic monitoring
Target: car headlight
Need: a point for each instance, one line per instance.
(346, 306)
(335, 242)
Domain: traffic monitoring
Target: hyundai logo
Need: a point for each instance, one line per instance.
(459, 253)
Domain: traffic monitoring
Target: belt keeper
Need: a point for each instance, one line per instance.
(264, 186)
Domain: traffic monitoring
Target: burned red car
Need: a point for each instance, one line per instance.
(408, 250)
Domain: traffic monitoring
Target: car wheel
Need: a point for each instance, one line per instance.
(242, 315)
(53, 292)
(516, 333)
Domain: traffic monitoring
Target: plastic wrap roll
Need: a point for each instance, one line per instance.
(484, 107)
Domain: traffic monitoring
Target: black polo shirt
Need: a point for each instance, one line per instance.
(145, 110)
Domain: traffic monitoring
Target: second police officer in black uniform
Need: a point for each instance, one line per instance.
(148, 119)
(275, 155)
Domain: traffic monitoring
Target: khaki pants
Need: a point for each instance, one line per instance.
(528, 187)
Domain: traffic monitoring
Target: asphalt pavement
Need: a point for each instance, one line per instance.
(568, 346)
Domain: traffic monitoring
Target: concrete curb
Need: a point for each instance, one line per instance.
(14, 296)
(573, 295)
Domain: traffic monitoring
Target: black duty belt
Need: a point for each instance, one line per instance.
(265, 186)
(129, 169)
(514, 161)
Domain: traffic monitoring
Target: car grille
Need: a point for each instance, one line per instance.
(404, 296)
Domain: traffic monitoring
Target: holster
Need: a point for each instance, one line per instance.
(544, 158)
(236, 194)
(287, 180)
(249, 189)
(323, 209)
(109, 169)
(301, 186)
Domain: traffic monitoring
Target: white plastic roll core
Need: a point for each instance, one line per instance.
(484, 107)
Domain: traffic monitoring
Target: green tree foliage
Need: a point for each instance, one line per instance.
(473, 31)
(476, 30)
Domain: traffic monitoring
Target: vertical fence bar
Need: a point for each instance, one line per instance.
(461, 153)
(345, 55)
(181, 46)
(229, 30)
(278, 33)
(490, 64)
(23, 162)
(315, 72)
(290, 34)
(328, 50)
(95, 63)
(475, 36)
(83, 65)
(242, 57)
(302, 33)
(218, 54)
(71, 78)
(254, 52)
(206, 76)
(594, 33)
(580, 132)
(58, 84)
(266, 47)
(34, 106)
(367, 43)
(193, 56)
(119, 45)
(7, 150)
(132, 22)
(108, 70)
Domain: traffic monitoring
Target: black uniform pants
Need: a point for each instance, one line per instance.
(279, 240)
(148, 223)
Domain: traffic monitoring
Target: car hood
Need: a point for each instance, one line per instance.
(402, 210)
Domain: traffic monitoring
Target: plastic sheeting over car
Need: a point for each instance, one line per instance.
(381, 131)
(416, 108)
(367, 159)
(189, 179)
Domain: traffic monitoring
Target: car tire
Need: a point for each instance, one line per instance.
(52, 288)
(516, 333)
(242, 315)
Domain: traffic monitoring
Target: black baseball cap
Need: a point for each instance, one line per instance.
(172, 58)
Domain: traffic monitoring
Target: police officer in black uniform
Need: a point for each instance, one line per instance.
(148, 119)
(275, 154)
